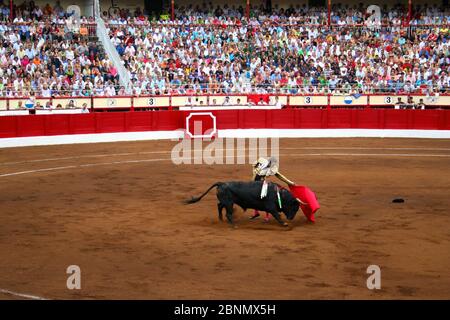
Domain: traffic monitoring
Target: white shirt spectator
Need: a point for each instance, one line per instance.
(130, 50)
(227, 101)
(70, 55)
(47, 93)
(110, 91)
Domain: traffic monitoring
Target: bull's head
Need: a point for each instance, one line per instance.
(290, 204)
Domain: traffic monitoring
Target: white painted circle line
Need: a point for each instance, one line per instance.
(368, 148)
(36, 170)
(372, 155)
(21, 295)
(248, 149)
(80, 157)
(193, 158)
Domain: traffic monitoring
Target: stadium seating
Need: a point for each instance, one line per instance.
(216, 50)
(46, 53)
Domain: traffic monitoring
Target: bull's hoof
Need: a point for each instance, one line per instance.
(233, 227)
(254, 216)
(287, 227)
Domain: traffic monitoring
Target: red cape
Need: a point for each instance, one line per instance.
(306, 195)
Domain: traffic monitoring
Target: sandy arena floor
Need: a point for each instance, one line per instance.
(115, 210)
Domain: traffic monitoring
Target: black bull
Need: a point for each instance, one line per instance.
(247, 195)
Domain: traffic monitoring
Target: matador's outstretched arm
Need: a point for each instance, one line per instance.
(290, 183)
(284, 179)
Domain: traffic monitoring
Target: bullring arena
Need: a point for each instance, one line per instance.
(353, 99)
(115, 210)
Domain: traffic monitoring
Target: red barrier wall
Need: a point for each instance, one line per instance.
(39, 125)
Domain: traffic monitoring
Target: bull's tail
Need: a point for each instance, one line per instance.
(197, 199)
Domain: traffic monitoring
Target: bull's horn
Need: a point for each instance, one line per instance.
(301, 202)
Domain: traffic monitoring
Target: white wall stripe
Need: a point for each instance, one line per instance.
(89, 138)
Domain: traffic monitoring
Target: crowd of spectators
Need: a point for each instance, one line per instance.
(216, 49)
(28, 11)
(207, 13)
(51, 57)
